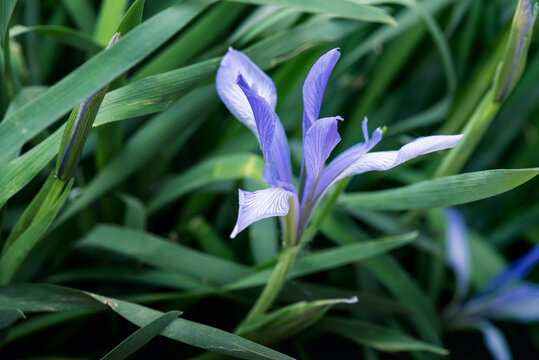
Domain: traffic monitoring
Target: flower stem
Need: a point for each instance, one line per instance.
(272, 288)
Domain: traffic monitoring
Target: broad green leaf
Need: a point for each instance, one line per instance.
(193, 333)
(165, 255)
(44, 298)
(9, 317)
(329, 259)
(441, 192)
(141, 337)
(378, 337)
(219, 168)
(74, 38)
(94, 74)
(53, 298)
(338, 8)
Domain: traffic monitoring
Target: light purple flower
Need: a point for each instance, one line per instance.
(505, 297)
(251, 96)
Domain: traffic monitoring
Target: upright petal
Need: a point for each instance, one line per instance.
(315, 86)
(233, 64)
(337, 168)
(319, 142)
(494, 341)
(277, 170)
(458, 251)
(261, 204)
(517, 270)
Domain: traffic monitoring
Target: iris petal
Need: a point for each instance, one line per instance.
(319, 141)
(277, 170)
(518, 269)
(494, 341)
(458, 251)
(518, 303)
(315, 86)
(261, 204)
(233, 64)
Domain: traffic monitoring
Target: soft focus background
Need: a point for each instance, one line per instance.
(163, 164)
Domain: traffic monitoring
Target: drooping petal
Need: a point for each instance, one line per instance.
(319, 142)
(517, 270)
(385, 160)
(494, 341)
(259, 205)
(335, 170)
(458, 251)
(518, 303)
(277, 170)
(315, 86)
(233, 64)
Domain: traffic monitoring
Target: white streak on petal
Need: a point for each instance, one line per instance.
(233, 64)
(385, 160)
(259, 205)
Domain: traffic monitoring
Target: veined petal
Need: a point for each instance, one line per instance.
(337, 169)
(315, 86)
(259, 205)
(319, 142)
(233, 64)
(277, 170)
(494, 341)
(458, 251)
(517, 270)
(385, 160)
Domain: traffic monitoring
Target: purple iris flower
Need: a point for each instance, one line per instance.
(250, 95)
(507, 296)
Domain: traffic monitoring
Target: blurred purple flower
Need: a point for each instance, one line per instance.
(505, 297)
(251, 96)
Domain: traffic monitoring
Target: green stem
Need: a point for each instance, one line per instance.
(273, 287)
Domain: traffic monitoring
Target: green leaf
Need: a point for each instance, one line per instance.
(55, 298)
(74, 38)
(165, 255)
(135, 212)
(193, 333)
(176, 124)
(378, 337)
(141, 337)
(329, 259)
(289, 320)
(18, 248)
(219, 168)
(94, 74)
(82, 13)
(132, 18)
(338, 8)
(441, 192)
(6, 9)
(110, 15)
(9, 317)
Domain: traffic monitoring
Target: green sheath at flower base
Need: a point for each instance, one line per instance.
(514, 60)
(77, 130)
